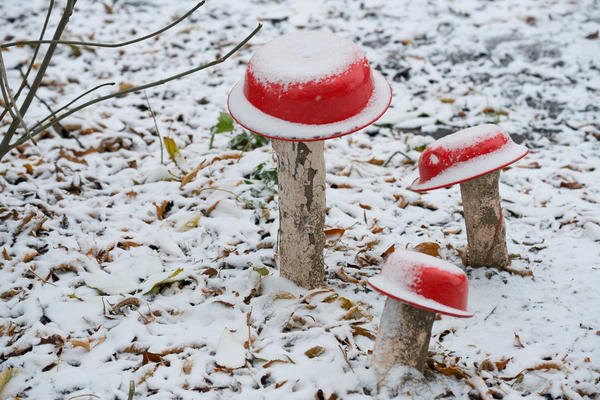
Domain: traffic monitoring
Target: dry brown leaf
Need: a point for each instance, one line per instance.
(81, 343)
(531, 165)
(30, 256)
(276, 361)
(161, 209)
(539, 367)
(334, 233)
(63, 154)
(501, 365)
(148, 357)
(429, 248)
(192, 175)
(210, 209)
(5, 254)
(343, 275)
(518, 342)
(9, 294)
(365, 206)
(5, 377)
(125, 86)
(376, 161)
(230, 156)
(128, 302)
(571, 185)
(360, 331)
(127, 244)
(388, 251)
(520, 272)
(187, 367)
(341, 186)
(449, 370)
(211, 272)
(280, 384)
(315, 351)
(377, 229)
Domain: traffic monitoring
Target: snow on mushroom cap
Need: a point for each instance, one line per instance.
(304, 56)
(424, 282)
(469, 137)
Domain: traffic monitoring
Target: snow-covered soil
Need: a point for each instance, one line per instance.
(113, 271)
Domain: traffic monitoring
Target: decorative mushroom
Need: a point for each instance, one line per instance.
(417, 286)
(474, 157)
(300, 89)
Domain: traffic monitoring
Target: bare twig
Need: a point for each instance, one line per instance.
(135, 89)
(33, 57)
(4, 145)
(110, 45)
(9, 98)
(58, 125)
(160, 140)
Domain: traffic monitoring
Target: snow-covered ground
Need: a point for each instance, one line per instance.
(113, 271)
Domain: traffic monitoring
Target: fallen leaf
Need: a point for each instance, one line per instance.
(388, 251)
(5, 254)
(429, 248)
(125, 86)
(65, 155)
(315, 351)
(360, 331)
(365, 206)
(81, 343)
(126, 245)
(449, 370)
(376, 161)
(162, 209)
(276, 361)
(128, 302)
(211, 272)
(192, 175)
(501, 365)
(148, 357)
(5, 376)
(571, 185)
(30, 256)
(447, 100)
(212, 208)
(518, 342)
(334, 233)
(343, 275)
(283, 295)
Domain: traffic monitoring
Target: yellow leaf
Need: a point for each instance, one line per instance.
(124, 86)
(172, 149)
(5, 377)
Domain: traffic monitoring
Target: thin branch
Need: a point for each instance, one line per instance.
(139, 88)
(53, 117)
(33, 57)
(9, 99)
(58, 126)
(5, 144)
(160, 140)
(110, 45)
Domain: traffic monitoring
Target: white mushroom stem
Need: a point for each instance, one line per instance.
(301, 178)
(486, 233)
(402, 338)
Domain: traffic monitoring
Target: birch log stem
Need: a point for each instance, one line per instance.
(301, 180)
(486, 233)
(402, 338)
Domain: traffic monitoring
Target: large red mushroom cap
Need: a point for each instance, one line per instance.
(308, 85)
(424, 282)
(465, 155)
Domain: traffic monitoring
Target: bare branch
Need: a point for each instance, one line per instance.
(9, 99)
(33, 57)
(4, 145)
(180, 75)
(110, 45)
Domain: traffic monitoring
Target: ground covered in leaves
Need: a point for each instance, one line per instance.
(135, 267)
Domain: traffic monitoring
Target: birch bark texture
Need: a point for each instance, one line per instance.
(301, 181)
(402, 338)
(486, 233)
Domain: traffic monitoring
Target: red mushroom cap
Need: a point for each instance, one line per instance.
(464, 155)
(307, 86)
(424, 282)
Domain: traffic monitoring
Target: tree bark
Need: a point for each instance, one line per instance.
(402, 338)
(301, 181)
(486, 233)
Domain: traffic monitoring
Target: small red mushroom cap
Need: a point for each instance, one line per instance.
(424, 282)
(465, 155)
(308, 85)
